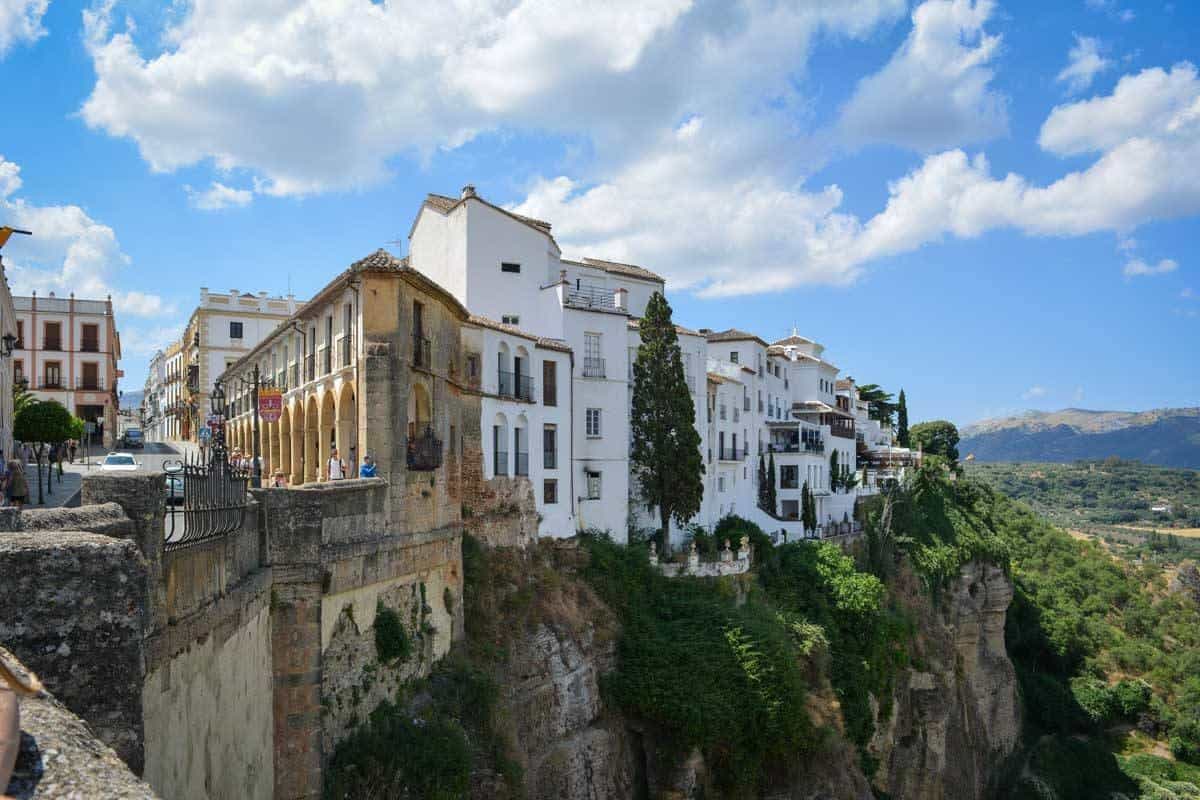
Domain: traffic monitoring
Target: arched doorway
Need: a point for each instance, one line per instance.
(328, 415)
(283, 429)
(346, 429)
(312, 441)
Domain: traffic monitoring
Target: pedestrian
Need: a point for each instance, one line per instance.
(17, 488)
(279, 482)
(336, 469)
(71, 450)
(368, 467)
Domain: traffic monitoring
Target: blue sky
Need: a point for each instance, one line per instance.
(992, 205)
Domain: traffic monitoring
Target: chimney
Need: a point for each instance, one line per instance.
(621, 299)
(468, 191)
(562, 276)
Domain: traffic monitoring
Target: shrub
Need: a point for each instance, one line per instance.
(392, 642)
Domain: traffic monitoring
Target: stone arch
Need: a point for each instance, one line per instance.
(296, 462)
(283, 442)
(504, 376)
(326, 419)
(520, 445)
(312, 439)
(346, 427)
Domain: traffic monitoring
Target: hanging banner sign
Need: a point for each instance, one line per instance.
(270, 404)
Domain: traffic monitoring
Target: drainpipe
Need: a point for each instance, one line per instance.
(571, 438)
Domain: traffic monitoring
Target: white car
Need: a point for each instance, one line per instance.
(114, 462)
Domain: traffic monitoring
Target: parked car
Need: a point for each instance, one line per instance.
(133, 438)
(174, 489)
(117, 462)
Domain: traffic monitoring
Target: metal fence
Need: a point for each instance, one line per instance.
(205, 498)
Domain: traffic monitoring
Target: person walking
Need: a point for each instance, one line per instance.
(367, 470)
(17, 487)
(71, 450)
(336, 469)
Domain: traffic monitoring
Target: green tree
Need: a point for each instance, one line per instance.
(763, 495)
(938, 437)
(42, 423)
(835, 474)
(808, 508)
(22, 398)
(902, 436)
(771, 495)
(666, 446)
(880, 405)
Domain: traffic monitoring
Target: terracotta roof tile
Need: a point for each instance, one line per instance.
(628, 270)
(541, 341)
(734, 335)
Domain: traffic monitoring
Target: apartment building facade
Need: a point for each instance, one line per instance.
(223, 328)
(67, 350)
(153, 410)
(8, 338)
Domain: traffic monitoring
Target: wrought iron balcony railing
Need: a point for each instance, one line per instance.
(504, 383)
(593, 368)
(549, 459)
(425, 451)
(521, 465)
(732, 454)
(500, 463)
(89, 384)
(347, 347)
(525, 388)
(310, 367)
(52, 344)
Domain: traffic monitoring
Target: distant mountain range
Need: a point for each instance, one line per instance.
(1166, 436)
(132, 399)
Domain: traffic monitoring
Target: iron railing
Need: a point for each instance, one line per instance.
(593, 367)
(732, 454)
(521, 467)
(504, 383)
(310, 367)
(549, 459)
(500, 463)
(326, 360)
(425, 451)
(525, 388)
(588, 297)
(89, 384)
(347, 341)
(206, 498)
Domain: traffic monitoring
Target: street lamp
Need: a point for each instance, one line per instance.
(9, 344)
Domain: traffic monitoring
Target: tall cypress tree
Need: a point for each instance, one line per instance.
(763, 491)
(666, 445)
(835, 474)
(771, 504)
(902, 420)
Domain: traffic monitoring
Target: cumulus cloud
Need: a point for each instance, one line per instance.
(69, 252)
(1084, 63)
(1034, 392)
(692, 210)
(934, 92)
(320, 95)
(218, 196)
(21, 22)
(1137, 267)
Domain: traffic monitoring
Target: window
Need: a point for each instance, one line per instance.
(235, 330)
(733, 357)
(549, 447)
(593, 364)
(593, 423)
(720, 483)
(90, 338)
(549, 383)
(509, 266)
(52, 336)
(593, 485)
(511, 319)
(53, 374)
(473, 367)
(91, 376)
(20, 334)
(550, 491)
(18, 371)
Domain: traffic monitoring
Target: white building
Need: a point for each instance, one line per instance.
(8, 338)
(153, 411)
(508, 268)
(67, 350)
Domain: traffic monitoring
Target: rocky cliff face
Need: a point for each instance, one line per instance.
(954, 718)
(949, 725)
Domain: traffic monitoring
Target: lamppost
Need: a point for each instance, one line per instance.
(253, 383)
(217, 397)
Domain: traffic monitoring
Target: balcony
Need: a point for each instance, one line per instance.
(310, 367)
(326, 360)
(521, 467)
(789, 484)
(422, 352)
(500, 463)
(51, 383)
(295, 375)
(425, 452)
(346, 348)
(732, 454)
(842, 427)
(90, 346)
(593, 368)
(525, 388)
(590, 298)
(52, 344)
(549, 459)
(504, 384)
(89, 384)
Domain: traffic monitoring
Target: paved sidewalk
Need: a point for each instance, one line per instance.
(56, 494)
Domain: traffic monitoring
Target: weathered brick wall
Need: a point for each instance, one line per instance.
(501, 511)
(73, 608)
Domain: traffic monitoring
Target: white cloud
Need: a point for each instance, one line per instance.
(21, 22)
(68, 252)
(1034, 392)
(934, 92)
(1138, 267)
(1084, 63)
(218, 196)
(694, 209)
(1187, 294)
(320, 95)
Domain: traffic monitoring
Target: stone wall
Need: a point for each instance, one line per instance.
(61, 757)
(73, 608)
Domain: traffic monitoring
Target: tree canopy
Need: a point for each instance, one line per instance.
(938, 437)
(880, 405)
(666, 445)
(43, 422)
